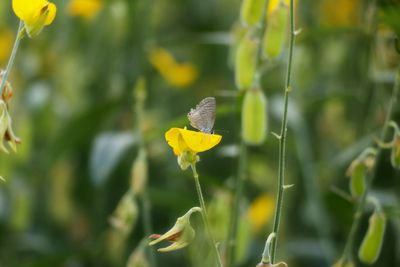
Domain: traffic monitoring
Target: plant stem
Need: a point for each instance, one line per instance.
(282, 138)
(147, 224)
(204, 215)
(347, 253)
(140, 95)
(12, 57)
(240, 178)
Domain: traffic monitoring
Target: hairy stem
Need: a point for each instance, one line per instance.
(12, 57)
(204, 215)
(282, 139)
(348, 249)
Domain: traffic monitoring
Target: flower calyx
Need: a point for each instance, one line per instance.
(181, 234)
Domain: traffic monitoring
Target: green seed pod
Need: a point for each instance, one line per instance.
(251, 11)
(276, 32)
(372, 242)
(245, 62)
(139, 173)
(254, 117)
(395, 154)
(357, 179)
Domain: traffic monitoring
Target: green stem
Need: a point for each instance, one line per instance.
(205, 216)
(348, 249)
(237, 197)
(282, 138)
(12, 57)
(147, 224)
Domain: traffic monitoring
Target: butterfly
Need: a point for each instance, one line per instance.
(203, 116)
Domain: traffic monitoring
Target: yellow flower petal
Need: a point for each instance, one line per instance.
(185, 140)
(176, 74)
(199, 141)
(261, 210)
(32, 11)
(26, 9)
(173, 139)
(85, 8)
(51, 15)
(181, 75)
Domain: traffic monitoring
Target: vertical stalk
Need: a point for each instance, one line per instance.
(12, 57)
(348, 249)
(140, 96)
(233, 229)
(240, 178)
(204, 215)
(282, 139)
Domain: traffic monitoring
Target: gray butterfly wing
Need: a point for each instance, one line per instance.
(203, 116)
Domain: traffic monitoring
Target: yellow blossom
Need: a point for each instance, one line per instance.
(273, 5)
(340, 13)
(176, 74)
(182, 140)
(35, 14)
(6, 41)
(85, 8)
(261, 210)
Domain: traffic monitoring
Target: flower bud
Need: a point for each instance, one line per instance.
(6, 132)
(181, 234)
(245, 62)
(254, 117)
(251, 11)
(357, 179)
(372, 243)
(7, 90)
(276, 31)
(395, 153)
(358, 171)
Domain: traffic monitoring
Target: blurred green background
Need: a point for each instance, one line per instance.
(73, 107)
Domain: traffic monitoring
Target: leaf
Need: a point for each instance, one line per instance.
(107, 150)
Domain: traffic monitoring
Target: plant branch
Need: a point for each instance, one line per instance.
(282, 138)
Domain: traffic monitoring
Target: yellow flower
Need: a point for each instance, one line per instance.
(261, 210)
(340, 13)
(273, 5)
(84, 8)
(35, 14)
(6, 42)
(176, 74)
(182, 140)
